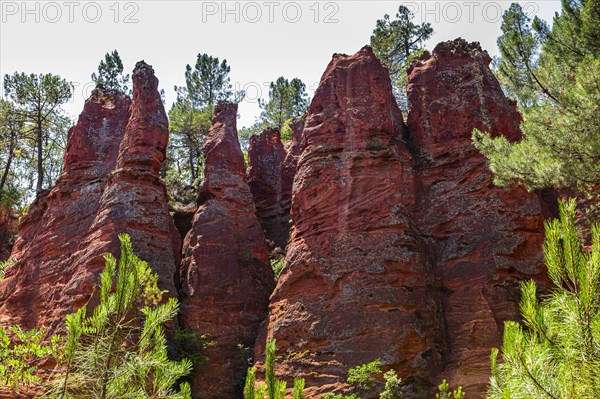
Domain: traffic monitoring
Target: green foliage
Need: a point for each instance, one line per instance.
(184, 166)
(186, 344)
(277, 266)
(190, 117)
(19, 350)
(298, 388)
(393, 386)
(207, 82)
(250, 386)
(555, 352)
(272, 388)
(395, 42)
(4, 265)
(110, 73)
(287, 100)
(553, 73)
(120, 349)
(362, 376)
(37, 119)
(519, 48)
(12, 148)
(270, 370)
(286, 133)
(18, 355)
(445, 392)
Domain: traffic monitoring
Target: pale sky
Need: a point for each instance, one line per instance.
(261, 40)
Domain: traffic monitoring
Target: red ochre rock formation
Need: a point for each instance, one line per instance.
(271, 170)
(290, 163)
(226, 275)
(266, 155)
(482, 239)
(402, 249)
(109, 185)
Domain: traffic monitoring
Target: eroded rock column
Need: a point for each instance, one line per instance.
(226, 275)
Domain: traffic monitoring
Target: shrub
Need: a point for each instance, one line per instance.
(120, 350)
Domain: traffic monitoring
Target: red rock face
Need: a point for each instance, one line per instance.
(109, 185)
(402, 249)
(355, 271)
(481, 239)
(226, 274)
(266, 155)
(290, 163)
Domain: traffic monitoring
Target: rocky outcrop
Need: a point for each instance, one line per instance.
(402, 249)
(271, 170)
(226, 274)
(355, 272)
(266, 154)
(109, 185)
(290, 163)
(481, 239)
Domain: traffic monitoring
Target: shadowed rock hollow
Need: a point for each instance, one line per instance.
(271, 170)
(8, 230)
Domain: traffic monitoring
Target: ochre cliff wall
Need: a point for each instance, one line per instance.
(109, 185)
(402, 249)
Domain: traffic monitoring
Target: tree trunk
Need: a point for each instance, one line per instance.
(192, 168)
(40, 155)
(11, 149)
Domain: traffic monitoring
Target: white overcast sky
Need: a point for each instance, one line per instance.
(261, 40)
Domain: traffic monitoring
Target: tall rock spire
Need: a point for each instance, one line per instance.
(226, 275)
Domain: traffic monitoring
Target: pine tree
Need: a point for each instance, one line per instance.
(287, 100)
(11, 143)
(206, 83)
(555, 352)
(119, 350)
(272, 388)
(395, 43)
(553, 72)
(37, 100)
(110, 73)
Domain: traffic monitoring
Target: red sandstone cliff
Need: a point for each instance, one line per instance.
(271, 170)
(402, 249)
(481, 239)
(109, 185)
(226, 275)
(355, 273)
(266, 155)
